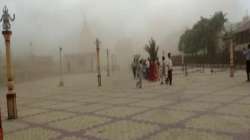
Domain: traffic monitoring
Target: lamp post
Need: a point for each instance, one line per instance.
(61, 83)
(11, 95)
(108, 70)
(99, 77)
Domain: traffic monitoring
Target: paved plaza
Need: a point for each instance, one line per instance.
(202, 106)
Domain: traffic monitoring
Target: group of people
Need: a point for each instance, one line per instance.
(164, 70)
(140, 68)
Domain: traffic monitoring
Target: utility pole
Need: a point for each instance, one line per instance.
(99, 77)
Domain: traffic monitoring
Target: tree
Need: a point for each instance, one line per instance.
(152, 50)
(204, 35)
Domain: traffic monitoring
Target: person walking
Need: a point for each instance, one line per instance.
(144, 68)
(139, 74)
(163, 71)
(133, 66)
(246, 52)
(158, 73)
(170, 69)
(148, 64)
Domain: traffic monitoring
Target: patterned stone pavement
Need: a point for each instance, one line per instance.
(198, 107)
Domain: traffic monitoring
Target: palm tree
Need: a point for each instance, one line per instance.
(152, 50)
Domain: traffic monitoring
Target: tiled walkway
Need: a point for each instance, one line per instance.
(198, 107)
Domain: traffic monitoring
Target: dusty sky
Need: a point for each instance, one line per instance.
(50, 23)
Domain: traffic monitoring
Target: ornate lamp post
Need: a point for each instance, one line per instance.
(99, 77)
(11, 95)
(61, 83)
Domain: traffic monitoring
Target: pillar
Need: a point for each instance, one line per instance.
(108, 69)
(1, 128)
(11, 95)
(99, 77)
(61, 82)
(231, 58)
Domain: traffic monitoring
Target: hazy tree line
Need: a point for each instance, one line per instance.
(203, 38)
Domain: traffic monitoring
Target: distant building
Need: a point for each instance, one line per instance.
(87, 38)
(240, 32)
(35, 67)
(80, 62)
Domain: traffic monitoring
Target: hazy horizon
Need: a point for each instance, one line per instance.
(50, 24)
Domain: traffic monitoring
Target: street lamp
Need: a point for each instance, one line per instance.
(11, 95)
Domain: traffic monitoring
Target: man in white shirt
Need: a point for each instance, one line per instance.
(246, 52)
(170, 69)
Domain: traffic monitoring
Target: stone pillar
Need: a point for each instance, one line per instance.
(183, 61)
(61, 83)
(11, 95)
(108, 70)
(99, 77)
(231, 58)
(185, 69)
(1, 128)
(92, 63)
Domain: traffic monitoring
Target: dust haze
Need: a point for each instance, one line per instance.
(123, 26)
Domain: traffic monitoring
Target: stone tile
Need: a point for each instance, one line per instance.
(146, 95)
(236, 109)
(79, 123)
(63, 98)
(185, 134)
(93, 99)
(121, 111)
(32, 134)
(26, 101)
(30, 111)
(120, 101)
(48, 117)
(245, 101)
(217, 98)
(74, 138)
(123, 130)
(88, 108)
(194, 106)
(188, 96)
(164, 116)
(233, 92)
(152, 103)
(221, 123)
(46, 103)
(9, 126)
(63, 105)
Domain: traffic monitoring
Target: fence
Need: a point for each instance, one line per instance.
(219, 60)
